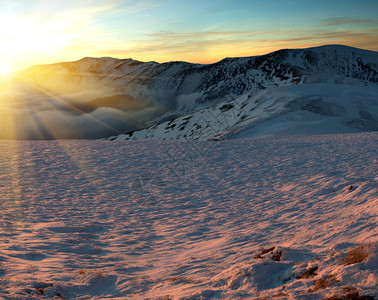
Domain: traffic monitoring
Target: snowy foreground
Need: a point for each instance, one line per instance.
(289, 218)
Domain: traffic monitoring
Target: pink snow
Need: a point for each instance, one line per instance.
(252, 218)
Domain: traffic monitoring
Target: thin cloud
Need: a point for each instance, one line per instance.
(8, 4)
(213, 46)
(133, 7)
(180, 35)
(344, 21)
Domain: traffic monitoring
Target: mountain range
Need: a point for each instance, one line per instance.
(328, 89)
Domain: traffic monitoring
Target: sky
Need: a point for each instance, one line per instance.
(202, 31)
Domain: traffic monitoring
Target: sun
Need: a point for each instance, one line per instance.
(5, 70)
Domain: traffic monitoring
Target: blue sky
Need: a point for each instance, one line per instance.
(163, 30)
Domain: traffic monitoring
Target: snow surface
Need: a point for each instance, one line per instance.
(189, 220)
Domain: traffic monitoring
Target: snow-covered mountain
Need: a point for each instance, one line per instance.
(166, 99)
(330, 89)
(288, 110)
(176, 81)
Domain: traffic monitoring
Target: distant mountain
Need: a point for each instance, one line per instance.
(165, 97)
(230, 76)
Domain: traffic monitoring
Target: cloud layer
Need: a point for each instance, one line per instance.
(29, 113)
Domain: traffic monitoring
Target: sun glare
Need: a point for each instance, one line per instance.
(29, 39)
(5, 70)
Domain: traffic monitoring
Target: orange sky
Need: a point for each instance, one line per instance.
(40, 31)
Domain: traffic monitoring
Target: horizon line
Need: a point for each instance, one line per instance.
(182, 61)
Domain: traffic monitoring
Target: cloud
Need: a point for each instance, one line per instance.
(30, 111)
(181, 35)
(41, 32)
(133, 7)
(53, 31)
(344, 21)
(56, 123)
(8, 4)
(205, 47)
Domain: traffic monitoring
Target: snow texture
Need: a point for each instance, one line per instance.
(283, 217)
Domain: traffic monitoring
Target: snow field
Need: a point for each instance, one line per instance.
(291, 218)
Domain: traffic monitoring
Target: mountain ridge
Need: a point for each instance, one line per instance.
(194, 63)
(166, 91)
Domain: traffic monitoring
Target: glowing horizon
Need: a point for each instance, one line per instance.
(40, 32)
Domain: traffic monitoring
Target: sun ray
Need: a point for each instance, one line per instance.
(44, 130)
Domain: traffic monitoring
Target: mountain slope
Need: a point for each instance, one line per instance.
(304, 109)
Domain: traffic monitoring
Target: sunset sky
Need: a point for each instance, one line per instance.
(44, 31)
